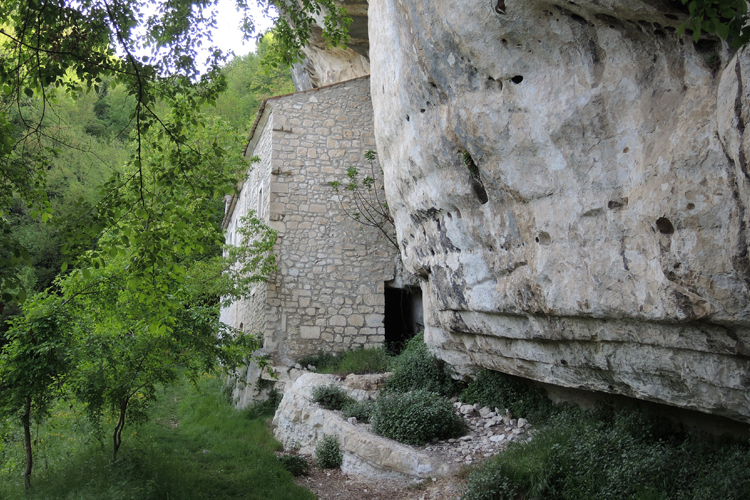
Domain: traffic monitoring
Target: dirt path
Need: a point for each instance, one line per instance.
(335, 485)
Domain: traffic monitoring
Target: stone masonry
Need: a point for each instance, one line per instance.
(328, 292)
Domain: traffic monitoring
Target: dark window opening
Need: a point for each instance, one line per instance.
(403, 317)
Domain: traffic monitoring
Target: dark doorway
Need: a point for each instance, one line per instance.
(403, 316)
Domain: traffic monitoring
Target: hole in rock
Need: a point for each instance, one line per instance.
(659, 33)
(690, 206)
(705, 45)
(563, 362)
(421, 110)
(672, 17)
(544, 238)
(403, 316)
(664, 225)
(617, 204)
(626, 150)
(476, 181)
(517, 79)
(407, 118)
(578, 18)
(500, 7)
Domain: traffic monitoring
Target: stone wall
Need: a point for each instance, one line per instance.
(249, 315)
(328, 292)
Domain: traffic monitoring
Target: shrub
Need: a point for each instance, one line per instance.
(416, 368)
(495, 389)
(266, 408)
(331, 397)
(328, 454)
(415, 417)
(361, 410)
(622, 454)
(297, 465)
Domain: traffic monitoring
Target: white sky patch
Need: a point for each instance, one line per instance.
(227, 35)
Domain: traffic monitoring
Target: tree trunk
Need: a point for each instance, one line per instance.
(27, 444)
(117, 435)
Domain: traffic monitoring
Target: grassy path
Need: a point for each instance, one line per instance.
(196, 446)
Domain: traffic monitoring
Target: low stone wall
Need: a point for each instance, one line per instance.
(301, 423)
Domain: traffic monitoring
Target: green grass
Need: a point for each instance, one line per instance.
(196, 446)
(359, 361)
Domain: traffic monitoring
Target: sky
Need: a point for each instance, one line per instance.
(228, 35)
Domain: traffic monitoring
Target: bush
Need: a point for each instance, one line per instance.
(361, 410)
(622, 454)
(331, 397)
(495, 389)
(266, 408)
(416, 368)
(328, 454)
(297, 465)
(416, 417)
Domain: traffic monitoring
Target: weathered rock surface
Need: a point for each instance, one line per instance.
(325, 66)
(597, 237)
(299, 423)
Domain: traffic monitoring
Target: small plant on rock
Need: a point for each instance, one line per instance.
(328, 454)
(331, 397)
(416, 417)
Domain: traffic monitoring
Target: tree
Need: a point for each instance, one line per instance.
(32, 365)
(726, 18)
(50, 48)
(364, 200)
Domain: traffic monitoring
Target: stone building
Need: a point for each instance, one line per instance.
(333, 273)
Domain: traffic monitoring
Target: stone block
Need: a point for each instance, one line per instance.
(374, 320)
(309, 332)
(337, 321)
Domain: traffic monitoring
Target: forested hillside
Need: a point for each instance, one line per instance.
(116, 296)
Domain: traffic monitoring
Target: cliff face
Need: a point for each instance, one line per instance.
(595, 233)
(325, 66)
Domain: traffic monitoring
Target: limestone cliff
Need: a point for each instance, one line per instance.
(570, 180)
(325, 66)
